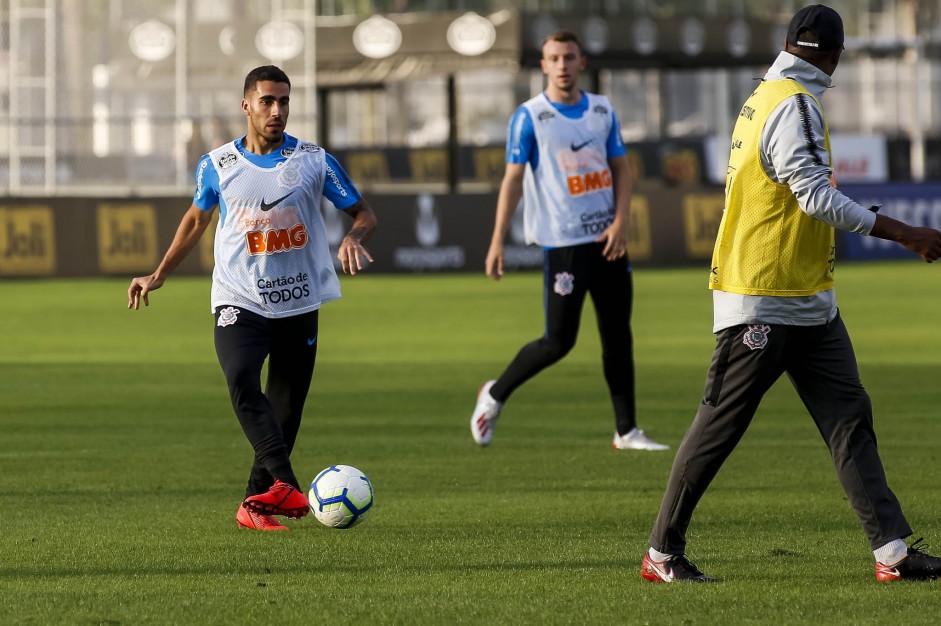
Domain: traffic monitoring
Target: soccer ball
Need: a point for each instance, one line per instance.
(340, 496)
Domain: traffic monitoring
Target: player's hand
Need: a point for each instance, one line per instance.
(615, 241)
(353, 256)
(494, 263)
(140, 288)
(925, 242)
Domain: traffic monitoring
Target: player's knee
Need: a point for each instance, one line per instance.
(555, 348)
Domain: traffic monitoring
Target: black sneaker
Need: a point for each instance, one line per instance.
(676, 568)
(916, 565)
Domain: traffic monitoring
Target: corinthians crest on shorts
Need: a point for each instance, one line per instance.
(564, 283)
(228, 316)
(756, 336)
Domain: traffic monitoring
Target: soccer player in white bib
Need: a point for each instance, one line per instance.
(273, 271)
(566, 160)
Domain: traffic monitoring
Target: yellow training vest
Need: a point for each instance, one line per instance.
(766, 245)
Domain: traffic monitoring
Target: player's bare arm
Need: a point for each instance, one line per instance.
(922, 240)
(352, 255)
(191, 228)
(511, 190)
(615, 235)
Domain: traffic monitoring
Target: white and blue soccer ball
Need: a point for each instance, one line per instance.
(340, 496)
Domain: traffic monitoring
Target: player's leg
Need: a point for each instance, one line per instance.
(565, 287)
(242, 343)
(746, 362)
(612, 292)
(566, 279)
(825, 373)
(290, 369)
(822, 366)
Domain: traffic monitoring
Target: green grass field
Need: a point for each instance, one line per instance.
(121, 464)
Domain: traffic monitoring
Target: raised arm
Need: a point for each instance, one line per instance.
(191, 228)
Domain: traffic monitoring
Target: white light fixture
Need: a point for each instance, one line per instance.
(595, 34)
(692, 36)
(152, 41)
(377, 37)
(279, 41)
(646, 36)
(739, 35)
(471, 34)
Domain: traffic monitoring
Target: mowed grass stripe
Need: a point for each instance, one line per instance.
(121, 464)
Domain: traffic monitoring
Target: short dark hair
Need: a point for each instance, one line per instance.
(563, 36)
(265, 72)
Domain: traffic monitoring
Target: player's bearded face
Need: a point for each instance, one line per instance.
(267, 109)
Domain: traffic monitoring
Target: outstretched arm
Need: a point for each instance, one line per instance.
(352, 254)
(511, 190)
(922, 240)
(191, 228)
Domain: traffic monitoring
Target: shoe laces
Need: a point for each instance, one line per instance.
(919, 546)
(685, 564)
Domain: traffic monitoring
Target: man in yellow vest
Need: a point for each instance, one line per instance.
(775, 310)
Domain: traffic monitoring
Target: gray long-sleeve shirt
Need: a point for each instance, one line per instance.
(793, 152)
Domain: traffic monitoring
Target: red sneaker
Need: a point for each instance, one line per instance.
(246, 518)
(281, 499)
(676, 568)
(915, 565)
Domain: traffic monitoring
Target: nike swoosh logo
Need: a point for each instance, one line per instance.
(267, 206)
(579, 146)
(667, 575)
(311, 342)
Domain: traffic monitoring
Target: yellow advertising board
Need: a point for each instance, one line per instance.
(367, 167)
(639, 240)
(127, 237)
(701, 216)
(429, 165)
(27, 241)
(489, 164)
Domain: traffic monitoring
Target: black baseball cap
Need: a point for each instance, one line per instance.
(820, 20)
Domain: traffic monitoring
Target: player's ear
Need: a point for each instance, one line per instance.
(542, 64)
(582, 60)
(245, 106)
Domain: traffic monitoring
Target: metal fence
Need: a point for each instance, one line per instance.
(120, 97)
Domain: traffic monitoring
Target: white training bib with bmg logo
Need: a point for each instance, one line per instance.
(271, 250)
(569, 197)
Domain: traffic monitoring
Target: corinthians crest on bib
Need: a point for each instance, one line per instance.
(756, 336)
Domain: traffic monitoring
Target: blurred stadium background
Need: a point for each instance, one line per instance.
(108, 104)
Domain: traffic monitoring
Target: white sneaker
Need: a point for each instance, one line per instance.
(484, 419)
(636, 440)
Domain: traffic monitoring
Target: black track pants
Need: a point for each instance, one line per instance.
(269, 418)
(821, 364)
(571, 274)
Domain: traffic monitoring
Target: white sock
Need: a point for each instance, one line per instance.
(659, 556)
(891, 553)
